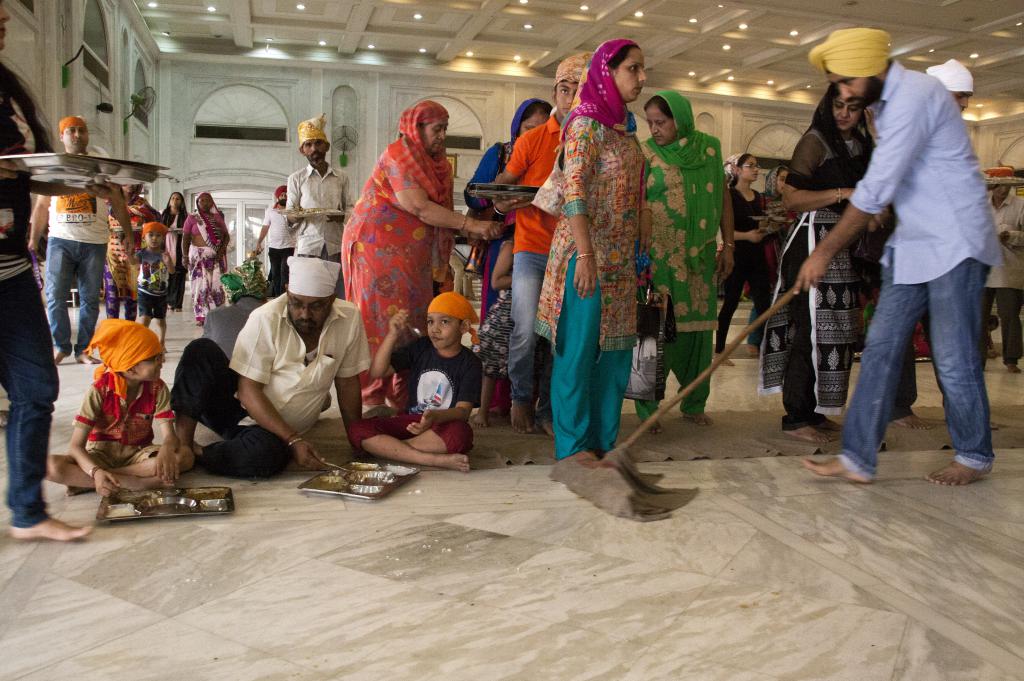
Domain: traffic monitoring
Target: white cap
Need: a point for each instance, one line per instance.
(953, 75)
(312, 277)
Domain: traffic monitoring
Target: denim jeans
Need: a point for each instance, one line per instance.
(527, 279)
(73, 264)
(29, 376)
(953, 303)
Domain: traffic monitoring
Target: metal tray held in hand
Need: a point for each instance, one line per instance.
(500, 192)
(79, 170)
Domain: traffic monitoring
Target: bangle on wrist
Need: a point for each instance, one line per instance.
(580, 256)
(92, 471)
(295, 438)
(728, 244)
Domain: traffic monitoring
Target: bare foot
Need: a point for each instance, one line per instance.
(455, 462)
(589, 459)
(992, 353)
(88, 359)
(656, 429)
(59, 357)
(74, 491)
(698, 419)
(1013, 368)
(51, 529)
(727, 363)
(834, 469)
(481, 419)
(809, 434)
(913, 422)
(522, 418)
(955, 474)
(829, 425)
(548, 428)
(752, 350)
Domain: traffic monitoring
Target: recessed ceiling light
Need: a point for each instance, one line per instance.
(423, 50)
(794, 33)
(517, 58)
(300, 6)
(371, 47)
(691, 74)
(721, 6)
(693, 20)
(978, 106)
(974, 55)
(638, 14)
(731, 78)
(1019, 23)
(211, 8)
(524, 2)
(270, 40)
(417, 16)
(808, 87)
(152, 5)
(322, 43)
(726, 47)
(771, 82)
(931, 50)
(528, 27)
(584, 8)
(743, 27)
(166, 32)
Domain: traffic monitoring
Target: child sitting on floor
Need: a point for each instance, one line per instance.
(112, 444)
(495, 333)
(444, 383)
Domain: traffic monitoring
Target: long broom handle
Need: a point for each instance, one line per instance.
(667, 405)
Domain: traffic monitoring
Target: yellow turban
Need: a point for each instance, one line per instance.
(454, 305)
(571, 68)
(313, 129)
(853, 52)
(122, 344)
(71, 122)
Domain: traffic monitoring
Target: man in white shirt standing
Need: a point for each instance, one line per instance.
(281, 241)
(1005, 283)
(76, 249)
(318, 186)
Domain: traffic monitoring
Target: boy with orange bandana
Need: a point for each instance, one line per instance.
(112, 443)
(155, 266)
(444, 385)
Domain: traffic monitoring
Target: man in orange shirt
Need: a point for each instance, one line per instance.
(532, 159)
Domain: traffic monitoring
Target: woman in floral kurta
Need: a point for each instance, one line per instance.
(588, 300)
(389, 253)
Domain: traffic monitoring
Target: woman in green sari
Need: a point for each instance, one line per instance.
(688, 204)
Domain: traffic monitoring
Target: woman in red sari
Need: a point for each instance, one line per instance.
(401, 233)
(207, 238)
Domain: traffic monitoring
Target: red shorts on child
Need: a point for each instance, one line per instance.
(457, 435)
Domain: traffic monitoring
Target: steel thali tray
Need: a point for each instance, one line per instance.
(314, 212)
(357, 480)
(166, 503)
(77, 170)
(501, 192)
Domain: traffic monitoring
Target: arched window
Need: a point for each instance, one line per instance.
(241, 112)
(95, 38)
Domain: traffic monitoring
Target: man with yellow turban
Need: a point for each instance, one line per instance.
(533, 157)
(936, 261)
(112, 443)
(318, 186)
(76, 248)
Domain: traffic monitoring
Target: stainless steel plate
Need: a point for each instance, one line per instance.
(166, 503)
(501, 192)
(77, 170)
(358, 480)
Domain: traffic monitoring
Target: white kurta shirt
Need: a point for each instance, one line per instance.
(308, 189)
(1009, 218)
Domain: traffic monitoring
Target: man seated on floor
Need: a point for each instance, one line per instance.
(434, 430)
(285, 359)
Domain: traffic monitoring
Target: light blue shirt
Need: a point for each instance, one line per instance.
(924, 166)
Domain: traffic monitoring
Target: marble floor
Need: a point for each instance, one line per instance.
(769, 574)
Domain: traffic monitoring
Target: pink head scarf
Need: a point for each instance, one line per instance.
(598, 96)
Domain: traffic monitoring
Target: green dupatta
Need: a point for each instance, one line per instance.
(685, 185)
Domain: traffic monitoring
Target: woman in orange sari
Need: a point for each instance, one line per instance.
(401, 233)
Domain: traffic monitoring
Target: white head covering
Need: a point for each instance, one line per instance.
(953, 75)
(312, 277)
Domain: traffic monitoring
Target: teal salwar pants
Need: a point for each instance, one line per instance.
(587, 384)
(688, 355)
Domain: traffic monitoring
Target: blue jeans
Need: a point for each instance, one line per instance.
(527, 279)
(953, 303)
(29, 376)
(73, 264)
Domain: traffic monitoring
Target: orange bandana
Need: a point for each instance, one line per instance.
(153, 227)
(71, 122)
(454, 305)
(122, 344)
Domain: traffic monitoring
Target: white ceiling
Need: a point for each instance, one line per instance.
(679, 37)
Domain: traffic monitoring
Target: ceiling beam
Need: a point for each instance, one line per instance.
(670, 48)
(471, 29)
(619, 10)
(358, 20)
(241, 22)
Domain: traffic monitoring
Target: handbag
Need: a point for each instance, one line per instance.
(647, 372)
(550, 198)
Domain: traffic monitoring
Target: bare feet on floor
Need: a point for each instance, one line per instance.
(1013, 368)
(809, 434)
(89, 359)
(913, 422)
(481, 419)
(589, 459)
(656, 429)
(522, 418)
(727, 362)
(955, 474)
(59, 357)
(548, 428)
(752, 350)
(829, 425)
(51, 529)
(834, 468)
(699, 419)
(455, 462)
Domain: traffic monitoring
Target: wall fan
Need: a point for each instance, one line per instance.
(345, 138)
(140, 103)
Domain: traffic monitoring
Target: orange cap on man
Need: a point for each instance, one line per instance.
(71, 122)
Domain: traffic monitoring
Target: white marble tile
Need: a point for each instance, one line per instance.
(780, 634)
(62, 619)
(928, 656)
(168, 651)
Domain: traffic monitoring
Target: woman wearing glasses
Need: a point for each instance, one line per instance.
(750, 264)
(808, 346)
